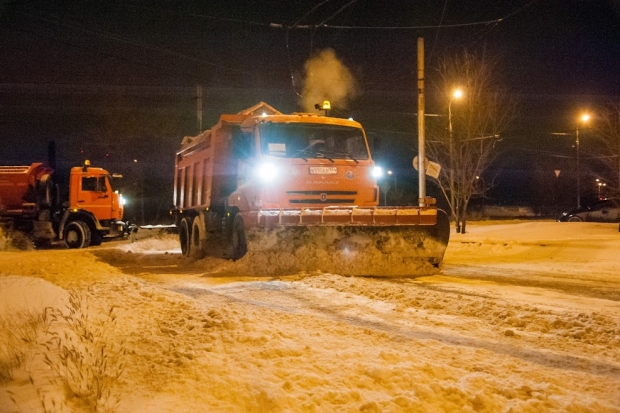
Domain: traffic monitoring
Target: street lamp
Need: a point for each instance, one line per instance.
(456, 94)
(599, 184)
(583, 119)
(387, 186)
(394, 178)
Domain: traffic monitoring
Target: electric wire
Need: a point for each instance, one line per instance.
(443, 12)
(297, 24)
(309, 12)
(171, 75)
(115, 37)
(199, 15)
(288, 49)
(337, 12)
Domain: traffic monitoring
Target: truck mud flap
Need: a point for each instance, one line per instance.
(361, 250)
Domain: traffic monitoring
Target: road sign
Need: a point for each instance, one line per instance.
(431, 169)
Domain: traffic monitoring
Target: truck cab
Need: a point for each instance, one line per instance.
(91, 189)
(94, 210)
(303, 160)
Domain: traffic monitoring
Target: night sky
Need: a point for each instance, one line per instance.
(69, 67)
(549, 46)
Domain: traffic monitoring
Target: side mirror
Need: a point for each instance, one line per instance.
(375, 144)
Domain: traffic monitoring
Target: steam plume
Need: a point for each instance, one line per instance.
(327, 78)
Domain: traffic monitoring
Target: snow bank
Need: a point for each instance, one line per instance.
(29, 295)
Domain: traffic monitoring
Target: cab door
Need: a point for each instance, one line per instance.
(95, 196)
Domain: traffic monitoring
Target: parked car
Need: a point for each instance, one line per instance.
(606, 210)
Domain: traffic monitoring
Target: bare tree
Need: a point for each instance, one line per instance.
(607, 128)
(465, 146)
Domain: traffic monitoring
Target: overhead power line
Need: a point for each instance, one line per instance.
(324, 25)
(337, 12)
(418, 27)
(118, 38)
(434, 26)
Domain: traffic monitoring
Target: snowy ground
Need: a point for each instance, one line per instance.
(522, 317)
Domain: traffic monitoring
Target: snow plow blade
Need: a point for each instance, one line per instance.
(389, 241)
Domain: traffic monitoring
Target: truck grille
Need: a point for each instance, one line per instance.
(324, 197)
(320, 201)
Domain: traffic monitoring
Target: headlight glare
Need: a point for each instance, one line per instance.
(267, 172)
(377, 172)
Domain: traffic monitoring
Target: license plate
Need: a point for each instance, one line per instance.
(323, 170)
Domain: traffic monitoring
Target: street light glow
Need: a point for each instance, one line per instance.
(599, 184)
(457, 94)
(585, 117)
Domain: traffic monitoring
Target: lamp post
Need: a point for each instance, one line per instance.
(599, 185)
(480, 185)
(394, 178)
(583, 119)
(456, 94)
(388, 187)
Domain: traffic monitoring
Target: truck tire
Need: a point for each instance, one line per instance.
(197, 248)
(238, 240)
(185, 236)
(77, 235)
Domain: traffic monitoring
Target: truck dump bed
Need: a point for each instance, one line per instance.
(18, 189)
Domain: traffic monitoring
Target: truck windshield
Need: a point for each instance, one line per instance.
(307, 140)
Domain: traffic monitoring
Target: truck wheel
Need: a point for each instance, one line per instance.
(77, 235)
(239, 242)
(196, 248)
(185, 236)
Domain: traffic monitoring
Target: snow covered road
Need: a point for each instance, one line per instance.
(523, 317)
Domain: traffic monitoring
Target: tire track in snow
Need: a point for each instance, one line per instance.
(290, 298)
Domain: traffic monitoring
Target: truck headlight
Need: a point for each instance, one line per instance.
(267, 172)
(122, 200)
(377, 172)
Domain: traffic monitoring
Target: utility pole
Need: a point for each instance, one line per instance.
(578, 168)
(421, 143)
(584, 118)
(456, 94)
(451, 161)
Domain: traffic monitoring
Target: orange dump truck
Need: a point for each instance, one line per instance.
(82, 213)
(296, 192)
